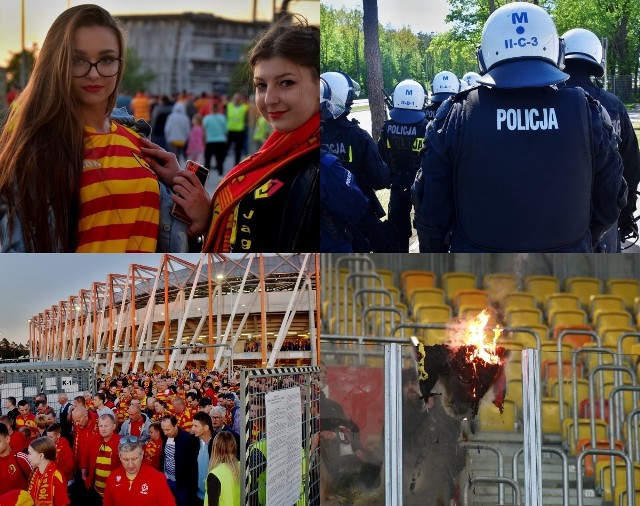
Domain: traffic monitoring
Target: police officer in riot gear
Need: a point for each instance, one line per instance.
(341, 201)
(358, 153)
(445, 84)
(399, 145)
(471, 79)
(583, 59)
(518, 165)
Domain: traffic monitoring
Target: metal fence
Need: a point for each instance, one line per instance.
(26, 380)
(279, 454)
(622, 86)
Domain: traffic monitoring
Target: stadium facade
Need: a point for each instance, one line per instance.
(253, 309)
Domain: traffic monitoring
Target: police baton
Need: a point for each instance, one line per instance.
(387, 100)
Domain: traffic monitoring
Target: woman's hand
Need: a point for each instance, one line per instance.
(194, 199)
(163, 163)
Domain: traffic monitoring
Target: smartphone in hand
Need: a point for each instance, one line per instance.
(201, 172)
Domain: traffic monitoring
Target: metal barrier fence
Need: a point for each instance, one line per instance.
(26, 380)
(280, 454)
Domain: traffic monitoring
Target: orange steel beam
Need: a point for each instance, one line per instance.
(317, 255)
(263, 312)
(110, 283)
(167, 323)
(210, 300)
(83, 294)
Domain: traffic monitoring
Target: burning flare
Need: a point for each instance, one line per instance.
(474, 335)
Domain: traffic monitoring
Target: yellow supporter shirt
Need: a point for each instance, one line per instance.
(119, 195)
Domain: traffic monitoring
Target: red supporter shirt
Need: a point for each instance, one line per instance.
(64, 459)
(28, 421)
(135, 428)
(49, 488)
(14, 472)
(152, 453)
(148, 488)
(82, 437)
(185, 419)
(18, 441)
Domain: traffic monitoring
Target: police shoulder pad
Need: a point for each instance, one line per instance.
(606, 119)
(444, 108)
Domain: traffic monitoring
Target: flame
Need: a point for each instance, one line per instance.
(473, 334)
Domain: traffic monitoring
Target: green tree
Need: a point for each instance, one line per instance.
(13, 69)
(136, 76)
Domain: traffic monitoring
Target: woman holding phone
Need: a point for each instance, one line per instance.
(71, 179)
(269, 201)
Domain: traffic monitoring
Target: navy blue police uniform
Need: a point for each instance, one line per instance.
(518, 170)
(358, 153)
(431, 110)
(628, 148)
(399, 146)
(341, 203)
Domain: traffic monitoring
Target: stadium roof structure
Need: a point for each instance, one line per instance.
(179, 313)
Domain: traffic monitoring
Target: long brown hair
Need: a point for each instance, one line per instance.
(42, 145)
(224, 452)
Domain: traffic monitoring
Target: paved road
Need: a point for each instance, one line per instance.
(364, 118)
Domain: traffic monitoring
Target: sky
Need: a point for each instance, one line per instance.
(40, 14)
(31, 283)
(419, 15)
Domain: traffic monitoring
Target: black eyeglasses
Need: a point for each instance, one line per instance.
(106, 67)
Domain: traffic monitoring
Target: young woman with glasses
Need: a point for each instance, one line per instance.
(71, 179)
(268, 202)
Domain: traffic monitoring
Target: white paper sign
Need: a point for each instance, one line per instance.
(30, 391)
(284, 446)
(51, 383)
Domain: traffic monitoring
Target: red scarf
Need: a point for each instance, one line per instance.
(278, 151)
(41, 485)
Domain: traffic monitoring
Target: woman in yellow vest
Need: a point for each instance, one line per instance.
(270, 200)
(223, 481)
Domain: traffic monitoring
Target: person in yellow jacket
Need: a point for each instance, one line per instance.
(237, 115)
(223, 481)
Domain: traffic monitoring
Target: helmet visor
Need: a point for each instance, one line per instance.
(333, 107)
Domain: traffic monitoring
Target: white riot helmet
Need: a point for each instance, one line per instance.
(408, 102)
(343, 91)
(581, 44)
(444, 85)
(470, 79)
(520, 48)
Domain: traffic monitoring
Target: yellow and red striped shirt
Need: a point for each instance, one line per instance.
(119, 195)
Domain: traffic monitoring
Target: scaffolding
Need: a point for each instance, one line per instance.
(257, 308)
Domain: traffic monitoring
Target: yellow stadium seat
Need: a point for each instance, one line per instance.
(551, 415)
(435, 313)
(593, 358)
(549, 351)
(527, 339)
(514, 392)
(611, 335)
(513, 370)
(583, 287)
(410, 281)
(622, 495)
(604, 319)
(499, 285)
(524, 317)
(575, 340)
(518, 300)
(569, 317)
(453, 282)
(560, 301)
(582, 387)
(628, 289)
(426, 296)
(477, 298)
(584, 432)
(606, 302)
(541, 286)
(387, 277)
(491, 420)
(603, 477)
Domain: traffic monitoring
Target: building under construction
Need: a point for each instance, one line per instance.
(255, 309)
